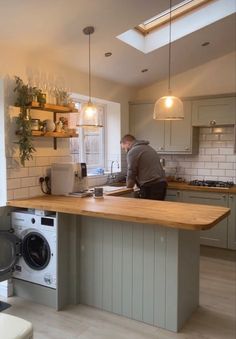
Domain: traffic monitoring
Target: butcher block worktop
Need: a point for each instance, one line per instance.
(171, 214)
(186, 187)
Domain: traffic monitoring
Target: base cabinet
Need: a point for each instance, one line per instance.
(218, 235)
(232, 222)
(174, 195)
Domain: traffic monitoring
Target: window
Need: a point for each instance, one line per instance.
(179, 10)
(89, 146)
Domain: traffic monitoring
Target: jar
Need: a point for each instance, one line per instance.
(35, 124)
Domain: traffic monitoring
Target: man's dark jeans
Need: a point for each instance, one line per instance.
(154, 190)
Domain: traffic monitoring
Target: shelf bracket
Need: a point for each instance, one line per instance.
(54, 139)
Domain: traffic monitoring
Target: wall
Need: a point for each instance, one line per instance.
(23, 182)
(216, 159)
(215, 77)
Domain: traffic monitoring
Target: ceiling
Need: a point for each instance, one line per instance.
(53, 29)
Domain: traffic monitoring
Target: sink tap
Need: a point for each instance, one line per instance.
(112, 176)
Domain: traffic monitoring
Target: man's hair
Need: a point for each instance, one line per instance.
(127, 137)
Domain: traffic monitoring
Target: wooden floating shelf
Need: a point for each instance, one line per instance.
(68, 134)
(53, 108)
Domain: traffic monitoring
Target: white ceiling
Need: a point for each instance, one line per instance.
(53, 29)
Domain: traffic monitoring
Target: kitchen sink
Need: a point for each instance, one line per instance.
(117, 184)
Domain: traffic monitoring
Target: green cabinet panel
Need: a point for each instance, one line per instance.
(166, 137)
(217, 111)
(218, 235)
(144, 127)
(232, 223)
(174, 195)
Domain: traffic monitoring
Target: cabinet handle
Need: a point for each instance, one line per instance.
(223, 196)
(178, 192)
(212, 122)
(231, 197)
(161, 148)
(186, 148)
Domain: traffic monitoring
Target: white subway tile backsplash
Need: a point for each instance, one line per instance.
(230, 173)
(36, 171)
(226, 151)
(213, 151)
(212, 137)
(21, 193)
(226, 137)
(206, 144)
(219, 158)
(17, 172)
(13, 183)
(211, 164)
(35, 191)
(218, 172)
(226, 165)
(204, 172)
(28, 182)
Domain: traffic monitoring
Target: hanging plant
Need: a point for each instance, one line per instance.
(26, 147)
(25, 95)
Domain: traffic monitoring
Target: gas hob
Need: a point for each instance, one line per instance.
(211, 183)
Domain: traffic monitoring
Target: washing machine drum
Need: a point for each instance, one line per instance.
(36, 250)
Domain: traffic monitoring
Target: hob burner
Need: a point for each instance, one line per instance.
(211, 183)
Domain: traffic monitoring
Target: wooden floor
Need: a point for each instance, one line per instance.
(215, 318)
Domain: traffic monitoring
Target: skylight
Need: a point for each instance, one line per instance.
(187, 17)
(180, 9)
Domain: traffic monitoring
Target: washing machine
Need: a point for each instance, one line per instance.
(29, 249)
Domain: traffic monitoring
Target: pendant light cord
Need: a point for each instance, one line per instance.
(169, 90)
(89, 71)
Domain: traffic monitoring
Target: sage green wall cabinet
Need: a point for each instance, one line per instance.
(232, 222)
(167, 137)
(174, 195)
(144, 127)
(218, 235)
(213, 112)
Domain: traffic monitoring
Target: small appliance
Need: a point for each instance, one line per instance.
(68, 178)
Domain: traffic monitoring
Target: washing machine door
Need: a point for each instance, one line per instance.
(36, 250)
(10, 250)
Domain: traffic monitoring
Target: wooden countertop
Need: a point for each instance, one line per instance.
(165, 213)
(184, 186)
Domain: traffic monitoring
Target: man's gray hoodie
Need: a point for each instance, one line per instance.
(143, 164)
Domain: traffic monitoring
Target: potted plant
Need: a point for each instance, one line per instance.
(25, 95)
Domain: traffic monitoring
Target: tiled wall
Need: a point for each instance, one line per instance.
(216, 159)
(23, 182)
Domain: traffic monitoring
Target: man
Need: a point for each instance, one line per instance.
(144, 168)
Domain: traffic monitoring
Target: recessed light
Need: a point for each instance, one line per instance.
(108, 54)
(205, 43)
(144, 70)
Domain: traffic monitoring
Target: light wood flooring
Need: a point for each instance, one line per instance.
(214, 319)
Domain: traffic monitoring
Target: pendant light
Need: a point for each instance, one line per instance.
(169, 107)
(89, 115)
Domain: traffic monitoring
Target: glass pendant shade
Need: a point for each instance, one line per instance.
(89, 116)
(168, 108)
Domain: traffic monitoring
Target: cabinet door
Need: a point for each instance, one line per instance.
(232, 223)
(216, 236)
(144, 127)
(174, 195)
(179, 133)
(219, 111)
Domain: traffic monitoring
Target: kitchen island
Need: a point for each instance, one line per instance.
(137, 258)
